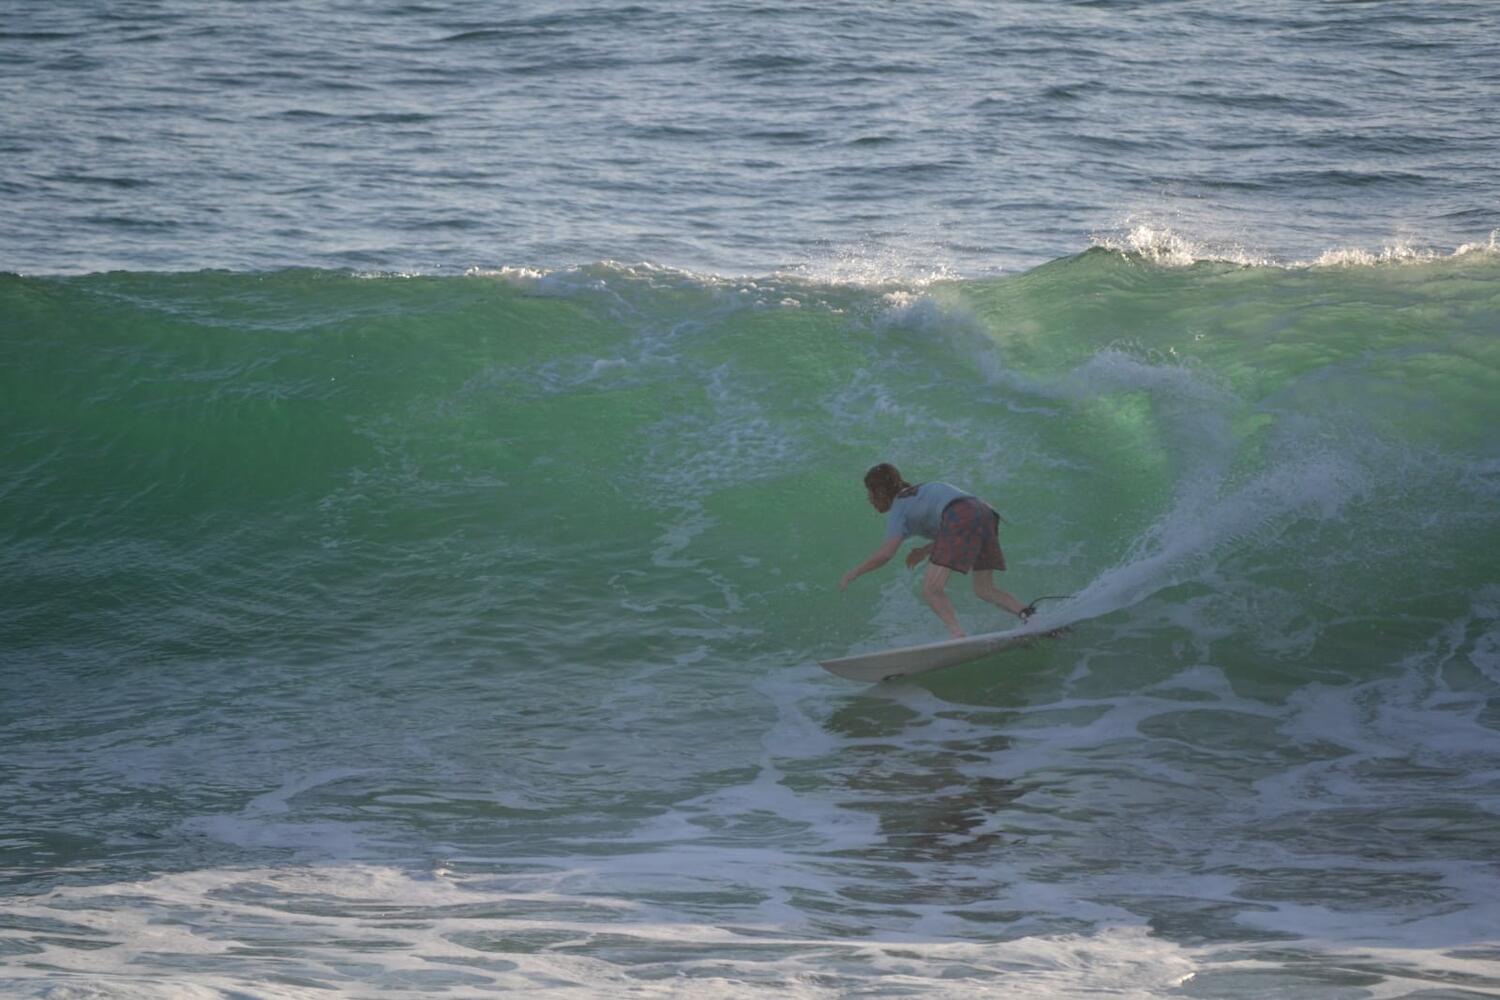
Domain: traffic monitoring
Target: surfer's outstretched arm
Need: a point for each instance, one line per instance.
(877, 559)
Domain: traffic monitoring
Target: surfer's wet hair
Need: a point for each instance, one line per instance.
(884, 481)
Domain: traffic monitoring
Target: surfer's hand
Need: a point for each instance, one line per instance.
(915, 556)
(844, 583)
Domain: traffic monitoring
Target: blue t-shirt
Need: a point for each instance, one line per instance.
(922, 513)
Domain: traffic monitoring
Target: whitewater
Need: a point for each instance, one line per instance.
(433, 438)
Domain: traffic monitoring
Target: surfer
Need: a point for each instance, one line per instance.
(965, 537)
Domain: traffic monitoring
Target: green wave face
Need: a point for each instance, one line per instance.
(296, 459)
(315, 578)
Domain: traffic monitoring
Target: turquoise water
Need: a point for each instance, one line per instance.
(433, 439)
(376, 634)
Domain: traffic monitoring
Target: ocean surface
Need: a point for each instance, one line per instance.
(432, 439)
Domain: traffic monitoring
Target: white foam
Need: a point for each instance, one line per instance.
(1399, 252)
(1159, 243)
(1489, 247)
(528, 278)
(912, 263)
(381, 932)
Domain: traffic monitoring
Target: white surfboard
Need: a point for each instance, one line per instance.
(875, 667)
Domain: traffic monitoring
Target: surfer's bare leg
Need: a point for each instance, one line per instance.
(934, 590)
(985, 589)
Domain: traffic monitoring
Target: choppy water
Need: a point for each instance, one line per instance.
(737, 137)
(380, 633)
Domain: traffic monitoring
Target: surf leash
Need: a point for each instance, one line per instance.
(1030, 609)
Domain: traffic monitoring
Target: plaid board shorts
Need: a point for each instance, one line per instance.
(968, 537)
